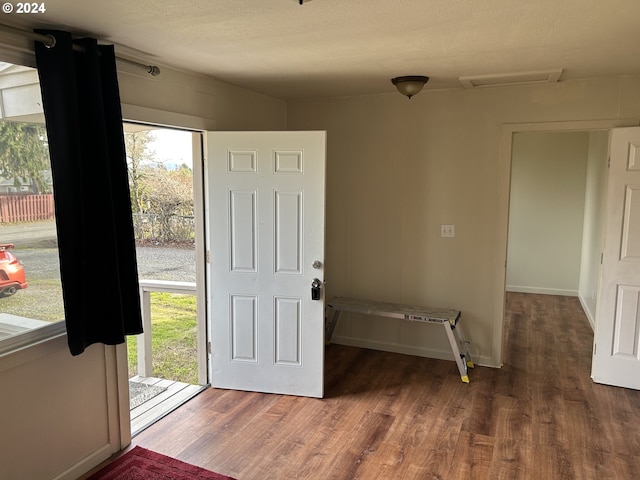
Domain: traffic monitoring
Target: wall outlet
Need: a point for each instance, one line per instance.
(447, 231)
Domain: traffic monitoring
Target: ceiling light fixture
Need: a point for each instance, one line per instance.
(410, 85)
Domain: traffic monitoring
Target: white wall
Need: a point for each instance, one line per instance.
(175, 98)
(54, 411)
(593, 221)
(399, 168)
(55, 418)
(546, 213)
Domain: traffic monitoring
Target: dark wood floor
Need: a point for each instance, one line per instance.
(391, 416)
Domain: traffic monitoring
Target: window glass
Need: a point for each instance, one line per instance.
(30, 287)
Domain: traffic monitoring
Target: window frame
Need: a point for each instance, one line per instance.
(33, 337)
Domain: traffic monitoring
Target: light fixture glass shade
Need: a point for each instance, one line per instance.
(410, 85)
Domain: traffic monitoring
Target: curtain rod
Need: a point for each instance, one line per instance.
(50, 41)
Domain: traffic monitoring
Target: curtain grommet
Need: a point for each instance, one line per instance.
(52, 43)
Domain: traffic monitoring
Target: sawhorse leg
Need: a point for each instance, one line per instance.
(463, 360)
(466, 344)
(330, 324)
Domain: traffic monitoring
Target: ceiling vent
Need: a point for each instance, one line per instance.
(502, 79)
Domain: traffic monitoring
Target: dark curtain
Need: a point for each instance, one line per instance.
(91, 191)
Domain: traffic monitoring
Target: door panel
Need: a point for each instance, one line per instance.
(288, 230)
(266, 224)
(631, 225)
(243, 231)
(244, 328)
(287, 331)
(616, 359)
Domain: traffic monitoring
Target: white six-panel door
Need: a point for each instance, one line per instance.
(616, 358)
(266, 230)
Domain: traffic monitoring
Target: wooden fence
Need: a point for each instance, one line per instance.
(26, 208)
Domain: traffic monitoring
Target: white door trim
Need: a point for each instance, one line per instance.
(504, 180)
(117, 379)
(199, 200)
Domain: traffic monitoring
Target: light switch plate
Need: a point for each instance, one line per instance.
(448, 231)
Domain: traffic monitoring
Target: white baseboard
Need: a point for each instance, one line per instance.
(588, 313)
(410, 350)
(86, 464)
(542, 290)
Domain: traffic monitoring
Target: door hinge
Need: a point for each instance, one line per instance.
(595, 347)
(601, 257)
(609, 162)
(208, 256)
(209, 348)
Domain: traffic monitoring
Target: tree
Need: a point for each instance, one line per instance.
(138, 154)
(24, 154)
(164, 196)
(169, 195)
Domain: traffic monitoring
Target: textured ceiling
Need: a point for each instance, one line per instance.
(350, 47)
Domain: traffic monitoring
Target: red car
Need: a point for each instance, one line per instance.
(12, 277)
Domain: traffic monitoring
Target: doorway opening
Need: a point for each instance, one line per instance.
(555, 224)
(167, 363)
(555, 213)
(592, 215)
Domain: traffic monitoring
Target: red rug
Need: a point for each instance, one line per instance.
(142, 464)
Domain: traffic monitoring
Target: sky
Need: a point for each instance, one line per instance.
(172, 147)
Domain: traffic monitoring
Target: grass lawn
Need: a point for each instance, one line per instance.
(41, 300)
(173, 339)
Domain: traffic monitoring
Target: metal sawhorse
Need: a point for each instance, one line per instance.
(448, 318)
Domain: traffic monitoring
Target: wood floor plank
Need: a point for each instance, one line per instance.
(389, 416)
(363, 442)
(477, 453)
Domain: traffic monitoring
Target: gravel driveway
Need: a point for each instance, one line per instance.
(35, 247)
(43, 298)
(154, 263)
